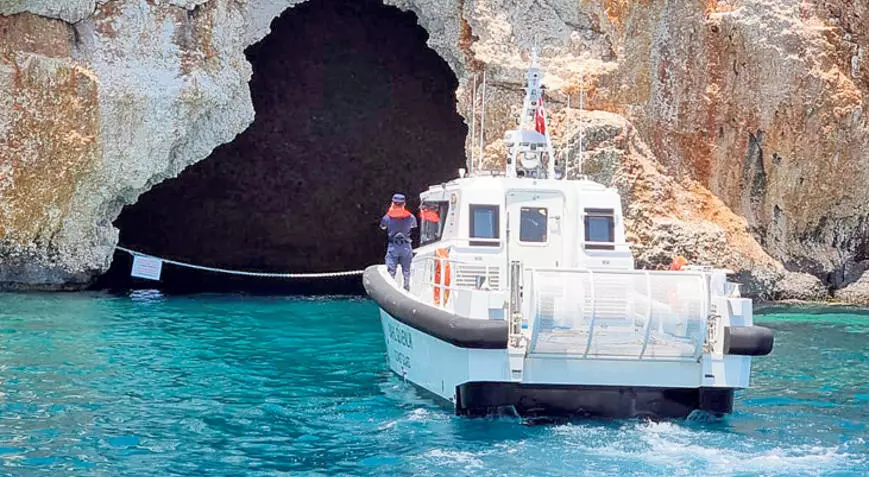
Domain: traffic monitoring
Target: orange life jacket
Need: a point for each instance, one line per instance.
(397, 212)
(429, 215)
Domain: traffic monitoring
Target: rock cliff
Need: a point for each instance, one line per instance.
(734, 128)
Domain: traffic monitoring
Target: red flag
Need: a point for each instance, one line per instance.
(539, 120)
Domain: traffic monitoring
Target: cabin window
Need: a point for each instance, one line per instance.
(484, 224)
(532, 224)
(432, 219)
(599, 228)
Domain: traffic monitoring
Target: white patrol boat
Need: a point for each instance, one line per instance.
(524, 299)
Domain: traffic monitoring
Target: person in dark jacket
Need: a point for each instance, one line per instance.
(398, 222)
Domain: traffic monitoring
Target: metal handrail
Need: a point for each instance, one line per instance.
(429, 275)
(680, 273)
(533, 298)
(460, 261)
(515, 329)
(649, 312)
(647, 327)
(698, 350)
(615, 245)
(593, 315)
(443, 243)
(610, 357)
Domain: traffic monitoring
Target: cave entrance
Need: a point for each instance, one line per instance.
(351, 106)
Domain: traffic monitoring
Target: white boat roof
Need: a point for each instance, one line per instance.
(499, 183)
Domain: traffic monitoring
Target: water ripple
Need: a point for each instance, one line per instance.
(233, 385)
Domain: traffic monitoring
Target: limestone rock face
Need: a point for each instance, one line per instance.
(856, 293)
(70, 11)
(735, 129)
(757, 104)
(762, 101)
(667, 217)
(95, 113)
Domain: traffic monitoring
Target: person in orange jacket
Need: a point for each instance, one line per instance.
(398, 222)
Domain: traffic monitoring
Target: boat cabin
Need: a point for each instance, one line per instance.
(479, 225)
(472, 229)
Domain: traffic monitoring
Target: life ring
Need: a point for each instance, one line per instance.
(441, 255)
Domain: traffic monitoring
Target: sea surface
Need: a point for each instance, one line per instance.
(145, 384)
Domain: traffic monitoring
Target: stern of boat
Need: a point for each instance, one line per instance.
(623, 344)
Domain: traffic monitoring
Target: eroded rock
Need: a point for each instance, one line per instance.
(856, 293)
(743, 119)
(70, 11)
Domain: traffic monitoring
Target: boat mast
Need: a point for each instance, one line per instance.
(530, 107)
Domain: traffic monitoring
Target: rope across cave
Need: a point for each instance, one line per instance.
(227, 271)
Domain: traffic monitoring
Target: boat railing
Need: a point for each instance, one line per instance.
(442, 281)
(483, 241)
(462, 242)
(618, 314)
(592, 245)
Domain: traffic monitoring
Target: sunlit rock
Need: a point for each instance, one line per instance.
(750, 114)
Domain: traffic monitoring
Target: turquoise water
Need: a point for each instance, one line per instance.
(96, 384)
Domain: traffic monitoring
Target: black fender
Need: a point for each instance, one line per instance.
(748, 340)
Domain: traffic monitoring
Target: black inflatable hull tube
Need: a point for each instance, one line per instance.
(439, 323)
(748, 340)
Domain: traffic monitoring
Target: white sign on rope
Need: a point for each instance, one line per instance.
(146, 267)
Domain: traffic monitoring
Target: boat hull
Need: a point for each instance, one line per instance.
(435, 365)
(475, 382)
(540, 400)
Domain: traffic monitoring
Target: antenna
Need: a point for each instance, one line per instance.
(550, 166)
(483, 116)
(473, 121)
(524, 139)
(534, 52)
(579, 117)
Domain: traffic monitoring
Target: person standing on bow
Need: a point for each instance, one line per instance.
(398, 222)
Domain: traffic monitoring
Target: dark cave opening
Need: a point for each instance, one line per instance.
(351, 106)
